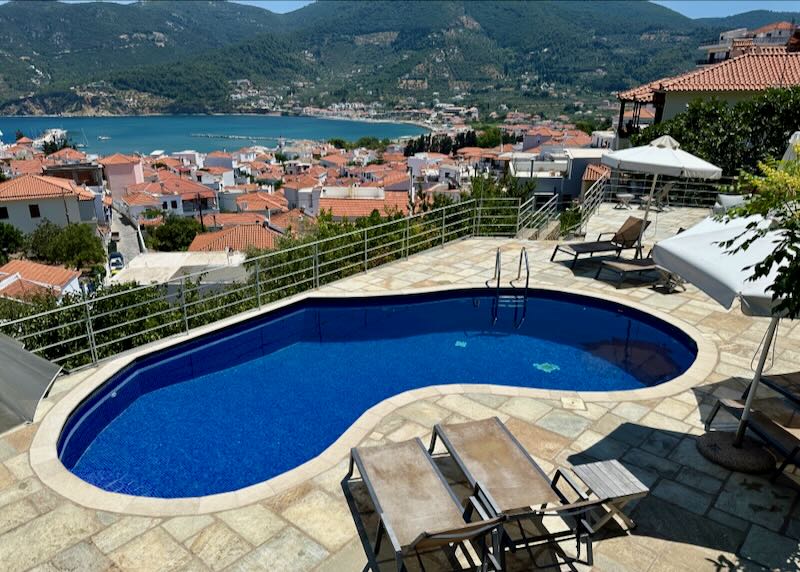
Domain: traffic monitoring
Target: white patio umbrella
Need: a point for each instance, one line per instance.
(697, 256)
(661, 157)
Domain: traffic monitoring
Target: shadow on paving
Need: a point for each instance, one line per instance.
(714, 519)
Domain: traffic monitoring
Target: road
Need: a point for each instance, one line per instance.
(128, 244)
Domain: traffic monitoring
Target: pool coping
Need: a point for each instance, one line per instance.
(47, 466)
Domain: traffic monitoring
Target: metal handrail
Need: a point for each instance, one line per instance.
(496, 275)
(523, 256)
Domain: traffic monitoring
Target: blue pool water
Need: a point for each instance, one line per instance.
(249, 402)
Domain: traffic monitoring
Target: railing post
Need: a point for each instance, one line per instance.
(90, 332)
(444, 210)
(408, 235)
(183, 305)
(365, 250)
(258, 282)
(316, 265)
(479, 207)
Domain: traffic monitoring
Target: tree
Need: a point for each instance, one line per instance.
(490, 137)
(11, 240)
(42, 241)
(18, 135)
(777, 192)
(78, 246)
(52, 146)
(177, 233)
(75, 245)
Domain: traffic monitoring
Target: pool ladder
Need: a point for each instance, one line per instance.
(519, 318)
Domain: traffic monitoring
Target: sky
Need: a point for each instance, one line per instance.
(690, 8)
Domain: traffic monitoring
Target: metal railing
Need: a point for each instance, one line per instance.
(83, 331)
(591, 201)
(628, 189)
(534, 221)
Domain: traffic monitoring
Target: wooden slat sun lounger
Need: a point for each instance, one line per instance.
(625, 238)
(507, 481)
(417, 510)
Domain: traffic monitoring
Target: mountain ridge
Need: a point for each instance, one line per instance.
(192, 56)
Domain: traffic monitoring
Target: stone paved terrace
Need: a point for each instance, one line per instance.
(697, 517)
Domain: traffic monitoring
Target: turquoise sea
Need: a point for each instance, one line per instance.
(104, 135)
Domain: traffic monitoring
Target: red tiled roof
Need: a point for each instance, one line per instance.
(335, 159)
(24, 141)
(186, 188)
(261, 201)
(355, 208)
(67, 154)
(301, 182)
(595, 172)
(119, 159)
(26, 166)
(226, 220)
(40, 187)
(140, 199)
(43, 274)
(754, 71)
(217, 170)
(221, 154)
(291, 218)
(241, 238)
(774, 26)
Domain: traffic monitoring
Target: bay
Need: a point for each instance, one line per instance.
(171, 133)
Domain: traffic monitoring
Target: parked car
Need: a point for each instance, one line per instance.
(116, 262)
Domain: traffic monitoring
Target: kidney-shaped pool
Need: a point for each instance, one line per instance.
(250, 401)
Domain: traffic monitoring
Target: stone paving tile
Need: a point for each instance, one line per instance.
(16, 514)
(676, 493)
(19, 466)
(525, 409)
(540, 442)
(122, 531)
(424, 412)
(254, 523)
(630, 410)
(184, 527)
(772, 550)
(466, 407)
(686, 453)
(83, 557)
(217, 546)
(564, 423)
(333, 531)
(756, 499)
(651, 462)
(287, 551)
(154, 550)
(660, 443)
(42, 538)
(699, 480)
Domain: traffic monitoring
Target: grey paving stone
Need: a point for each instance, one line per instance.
(630, 433)
(663, 521)
(660, 443)
(756, 499)
(83, 557)
(676, 493)
(728, 519)
(564, 423)
(663, 467)
(686, 453)
(770, 549)
(697, 480)
(287, 550)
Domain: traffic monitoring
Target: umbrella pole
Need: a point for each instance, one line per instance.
(646, 215)
(740, 431)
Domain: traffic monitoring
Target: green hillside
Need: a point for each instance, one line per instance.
(184, 56)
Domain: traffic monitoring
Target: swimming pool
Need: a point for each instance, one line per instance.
(245, 403)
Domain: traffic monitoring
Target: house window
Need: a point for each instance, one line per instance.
(3, 213)
(34, 210)
(174, 204)
(164, 205)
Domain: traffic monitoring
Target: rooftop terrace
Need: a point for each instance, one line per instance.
(698, 516)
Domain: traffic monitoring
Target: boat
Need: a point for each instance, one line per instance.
(103, 137)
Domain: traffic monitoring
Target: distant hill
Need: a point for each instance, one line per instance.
(185, 56)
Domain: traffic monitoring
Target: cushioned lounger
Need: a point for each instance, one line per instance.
(626, 237)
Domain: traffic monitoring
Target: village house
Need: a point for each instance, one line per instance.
(29, 199)
(238, 238)
(122, 171)
(23, 280)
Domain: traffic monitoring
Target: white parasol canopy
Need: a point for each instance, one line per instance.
(662, 156)
(697, 256)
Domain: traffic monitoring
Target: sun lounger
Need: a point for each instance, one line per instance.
(417, 510)
(624, 267)
(507, 481)
(625, 238)
(775, 420)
